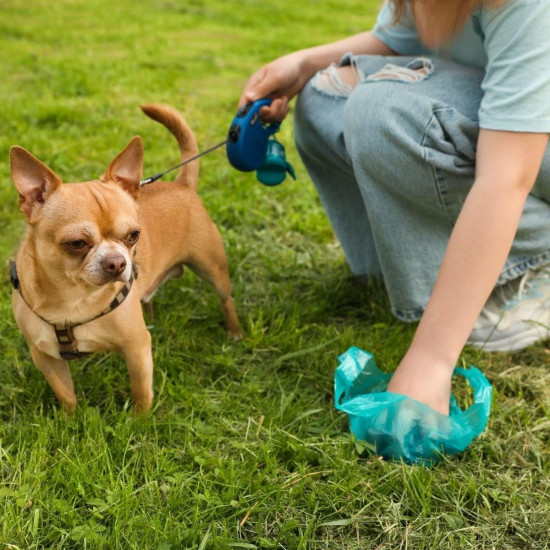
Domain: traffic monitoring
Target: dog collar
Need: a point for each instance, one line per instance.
(68, 346)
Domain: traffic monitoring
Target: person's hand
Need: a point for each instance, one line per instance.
(283, 78)
(279, 80)
(427, 383)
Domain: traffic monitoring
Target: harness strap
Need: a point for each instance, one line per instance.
(68, 346)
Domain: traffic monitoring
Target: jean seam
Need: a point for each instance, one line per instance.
(521, 266)
(437, 179)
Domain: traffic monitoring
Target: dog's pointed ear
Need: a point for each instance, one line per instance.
(34, 181)
(127, 167)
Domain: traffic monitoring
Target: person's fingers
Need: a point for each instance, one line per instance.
(276, 112)
(261, 84)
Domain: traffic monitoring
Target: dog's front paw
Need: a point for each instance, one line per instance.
(68, 407)
(142, 402)
(235, 333)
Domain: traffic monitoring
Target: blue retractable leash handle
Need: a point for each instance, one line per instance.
(251, 145)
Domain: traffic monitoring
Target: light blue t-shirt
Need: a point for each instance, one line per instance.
(511, 42)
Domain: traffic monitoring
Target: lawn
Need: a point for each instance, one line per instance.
(243, 448)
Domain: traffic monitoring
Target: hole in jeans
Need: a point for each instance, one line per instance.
(338, 80)
(415, 71)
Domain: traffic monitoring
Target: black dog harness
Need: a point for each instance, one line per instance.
(68, 347)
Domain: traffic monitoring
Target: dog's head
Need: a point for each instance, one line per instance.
(81, 232)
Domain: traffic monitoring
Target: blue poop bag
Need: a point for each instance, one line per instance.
(401, 428)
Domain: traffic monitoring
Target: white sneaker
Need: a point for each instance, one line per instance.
(516, 315)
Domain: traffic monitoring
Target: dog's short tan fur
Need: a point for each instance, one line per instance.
(82, 242)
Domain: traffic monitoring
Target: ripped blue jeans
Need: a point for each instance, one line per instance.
(393, 159)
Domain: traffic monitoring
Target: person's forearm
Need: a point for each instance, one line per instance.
(470, 268)
(507, 164)
(285, 77)
(479, 244)
(319, 57)
(506, 169)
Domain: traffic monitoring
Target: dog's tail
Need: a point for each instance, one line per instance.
(188, 174)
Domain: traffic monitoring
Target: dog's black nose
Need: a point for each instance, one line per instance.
(114, 264)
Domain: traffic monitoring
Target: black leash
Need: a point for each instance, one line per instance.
(159, 175)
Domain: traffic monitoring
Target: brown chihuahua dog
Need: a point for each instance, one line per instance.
(94, 250)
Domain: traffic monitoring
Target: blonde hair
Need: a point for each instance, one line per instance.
(442, 18)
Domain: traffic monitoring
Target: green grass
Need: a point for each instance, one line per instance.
(244, 448)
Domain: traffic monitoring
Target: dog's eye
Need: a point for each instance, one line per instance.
(77, 245)
(132, 237)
